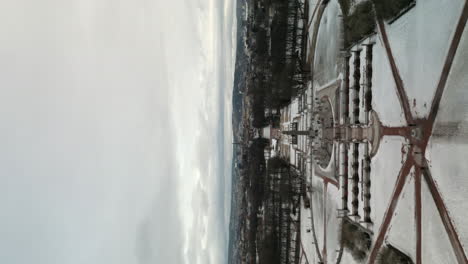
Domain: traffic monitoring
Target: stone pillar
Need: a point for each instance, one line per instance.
(368, 83)
(366, 183)
(367, 160)
(344, 92)
(355, 180)
(356, 86)
(343, 172)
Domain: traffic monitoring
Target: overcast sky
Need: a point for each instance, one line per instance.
(115, 130)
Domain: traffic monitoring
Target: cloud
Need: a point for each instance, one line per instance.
(113, 126)
(159, 235)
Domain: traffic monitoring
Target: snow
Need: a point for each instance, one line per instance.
(384, 98)
(329, 41)
(307, 239)
(385, 167)
(333, 223)
(449, 167)
(318, 210)
(402, 232)
(420, 46)
(325, 213)
(266, 132)
(436, 247)
(447, 154)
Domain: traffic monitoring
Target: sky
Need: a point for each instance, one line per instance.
(115, 130)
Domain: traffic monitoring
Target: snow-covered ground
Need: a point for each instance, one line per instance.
(436, 247)
(420, 40)
(384, 99)
(333, 203)
(384, 172)
(402, 232)
(329, 43)
(307, 239)
(326, 222)
(448, 147)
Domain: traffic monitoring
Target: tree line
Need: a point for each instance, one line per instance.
(274, 42)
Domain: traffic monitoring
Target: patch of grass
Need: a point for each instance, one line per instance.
(355, 240)
(360, 23)
(391, 255)
(388, 9)
(345, 5)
